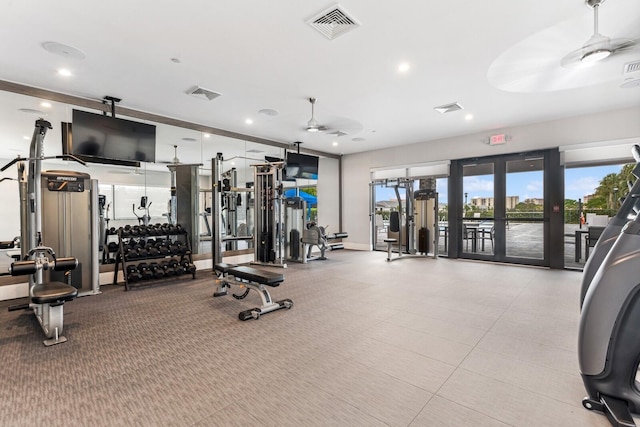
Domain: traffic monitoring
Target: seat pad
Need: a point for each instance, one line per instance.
(259, 276)
(47, 293)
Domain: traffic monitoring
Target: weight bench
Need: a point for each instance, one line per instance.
(47, 299)
(251, 278)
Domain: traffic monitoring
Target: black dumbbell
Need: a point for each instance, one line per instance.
(143, 269)
(163, 249)
(179, 269)
(156, 270)
(178, 229)
(168, 271)
(112, 230)
(189, 268)
(153, 251)
(124, 232)
(131, 253)
(113, 247)
(132, 274)
(142, 251)
(142, 230)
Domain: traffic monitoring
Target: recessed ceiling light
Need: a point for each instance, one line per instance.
(335, 143)
(404, 67)
(249, 121)
(233, 163)
(26, 137)
(45, 104)
(468, 117)
(268, 112)
(206, 135)
(64, 72)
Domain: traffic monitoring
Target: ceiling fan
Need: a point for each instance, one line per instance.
(175, 160)
(598, 47)
(340, 126)
(312, 124)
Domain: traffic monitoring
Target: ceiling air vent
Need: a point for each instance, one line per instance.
(202, 93)
(631, 67)
(448, 108)
(333, 22)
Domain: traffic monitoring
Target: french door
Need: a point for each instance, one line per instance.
(500, 209)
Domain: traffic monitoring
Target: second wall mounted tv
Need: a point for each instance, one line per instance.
(104, 139)
(301, 166)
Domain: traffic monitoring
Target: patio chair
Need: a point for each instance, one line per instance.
(593, 235)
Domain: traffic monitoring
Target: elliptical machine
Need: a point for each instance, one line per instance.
(609, 336)
(628, 210)
(47, 298)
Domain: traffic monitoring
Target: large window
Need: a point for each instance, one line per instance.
(591, 198)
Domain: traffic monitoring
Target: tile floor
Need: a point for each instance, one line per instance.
(416, 342)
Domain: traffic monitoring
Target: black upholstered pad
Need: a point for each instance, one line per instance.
(7, 244)
(259, 276)
(223, 267)
(47, 293)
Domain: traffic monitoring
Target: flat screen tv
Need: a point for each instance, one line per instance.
(104, 139)
(301, 166)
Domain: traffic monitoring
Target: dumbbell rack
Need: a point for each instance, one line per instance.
(152, 254)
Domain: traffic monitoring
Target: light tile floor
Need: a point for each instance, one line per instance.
(416, 342)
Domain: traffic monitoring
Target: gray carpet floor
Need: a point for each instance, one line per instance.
(417, 342)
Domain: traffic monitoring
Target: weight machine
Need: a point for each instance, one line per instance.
(269, 214)
(227, 197)
(46, 298)
(416, 220)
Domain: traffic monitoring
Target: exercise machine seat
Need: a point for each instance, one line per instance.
(9, 244)
(224, 267)
(53, 292)
(258, 276)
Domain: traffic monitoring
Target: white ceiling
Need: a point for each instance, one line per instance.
(262, 55)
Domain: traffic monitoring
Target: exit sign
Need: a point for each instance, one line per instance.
(498, 139)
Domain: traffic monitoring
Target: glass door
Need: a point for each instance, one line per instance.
(524, 209)
(503, 208)
(477, 224)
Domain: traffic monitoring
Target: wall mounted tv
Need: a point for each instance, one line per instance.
(103, 139)
(301, 166)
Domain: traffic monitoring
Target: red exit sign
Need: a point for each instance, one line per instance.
(498, 139)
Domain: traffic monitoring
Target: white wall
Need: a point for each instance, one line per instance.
(597, 128)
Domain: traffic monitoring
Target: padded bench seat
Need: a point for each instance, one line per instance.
(258, 276)
(52, 292)
(223, 267)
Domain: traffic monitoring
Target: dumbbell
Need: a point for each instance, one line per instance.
(168, 270)
(179, 229)
(163, 249)
(153, 250)
(132, 274)
(156, 270)
(124, 232)
(179, 269)
(174, 249)
(152, 230)
(112, 246)
(142, 251)
(142, 230)
(189, 268)
(143, 269)
(112, 230)
(130, 252)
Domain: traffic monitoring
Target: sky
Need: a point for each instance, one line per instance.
(579, 182)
